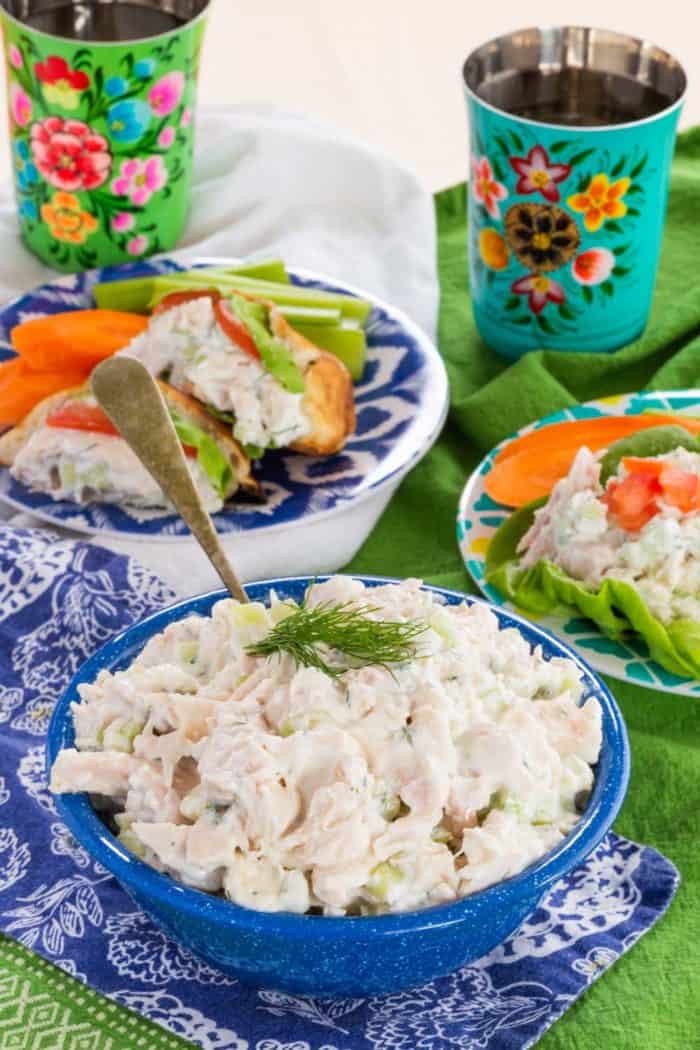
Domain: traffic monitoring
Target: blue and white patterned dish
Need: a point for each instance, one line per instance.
(479, 517)
(308, 955)
(401, 406)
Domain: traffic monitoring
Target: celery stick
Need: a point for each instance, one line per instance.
(290, 294)
(274, 270)
(134, 295)
(348, 344)
(311, 315)
(352, 310)
(296, 315)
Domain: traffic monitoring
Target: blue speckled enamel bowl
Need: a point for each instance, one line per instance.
(339, 956)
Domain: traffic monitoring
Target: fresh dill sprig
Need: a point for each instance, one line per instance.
(309, 635)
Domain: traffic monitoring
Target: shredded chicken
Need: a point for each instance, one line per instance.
(374, 791)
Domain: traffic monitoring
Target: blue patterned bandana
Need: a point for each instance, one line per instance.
(60, 601)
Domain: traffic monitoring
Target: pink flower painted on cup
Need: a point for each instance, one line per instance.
(593, 266)
(186, 118)
(166, 94)
(486, 189)
(123, 221)
(138, 245)
(166, 137)
(538, 174)
(69, 154)
(140, 179)
(20, 105)
(540, 290)
(15, 56)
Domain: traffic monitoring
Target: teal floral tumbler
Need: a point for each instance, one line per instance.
(572, 134)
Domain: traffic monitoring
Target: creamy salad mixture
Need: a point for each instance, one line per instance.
(377, 790)
(188, 343)
(83, 466)
(576, 531)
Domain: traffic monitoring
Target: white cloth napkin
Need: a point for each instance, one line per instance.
(270, 183)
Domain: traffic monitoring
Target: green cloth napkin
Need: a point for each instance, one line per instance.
(649, 1000)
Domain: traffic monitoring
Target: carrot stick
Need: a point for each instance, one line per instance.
(528, 475)
(595, 433)
(78, 339)
(21, 388)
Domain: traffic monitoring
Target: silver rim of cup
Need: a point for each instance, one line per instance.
(187, 11)
(553, 49)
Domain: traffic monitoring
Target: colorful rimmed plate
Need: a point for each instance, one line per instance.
(401, 405)
(479, 518)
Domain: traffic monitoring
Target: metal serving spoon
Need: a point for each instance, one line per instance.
(130, 397)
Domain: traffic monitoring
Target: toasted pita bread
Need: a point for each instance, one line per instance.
(14, 440)
(328, 400)
(221, 433)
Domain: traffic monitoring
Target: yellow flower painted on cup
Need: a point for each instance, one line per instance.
(601, 201)
(493, 250)
(66, 220)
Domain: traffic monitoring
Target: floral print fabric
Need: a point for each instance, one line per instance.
(58, 603)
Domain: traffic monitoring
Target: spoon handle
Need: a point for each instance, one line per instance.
(130, 397)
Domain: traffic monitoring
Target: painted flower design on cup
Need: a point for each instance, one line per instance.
(166, 94)
(69, 154)
(542, 236)
(493, 249)
(540, 290)
(140, 179)
(61, 85)
(20, 105)
(593, 266)
(166, 137)
(186, 117)
(25, 168)
(537, 174)
(123, 221)
(66, 220)
(129, 120)
(138, 246)
(144, 68)
(15, 56)
(485, 188)
(601, 201)
(115, 87)
(28, 210)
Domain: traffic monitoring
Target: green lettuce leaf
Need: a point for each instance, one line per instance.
(656, 441)
(615, 606)
(212, 460)
(276, 357)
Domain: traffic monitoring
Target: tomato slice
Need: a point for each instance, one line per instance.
(680, 488)
(634, 465)
(235, 329)
(633, 501)
(169, 302)
(78, 415)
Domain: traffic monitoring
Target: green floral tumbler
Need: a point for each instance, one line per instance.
(101, 104)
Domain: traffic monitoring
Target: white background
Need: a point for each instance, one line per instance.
(390, 70)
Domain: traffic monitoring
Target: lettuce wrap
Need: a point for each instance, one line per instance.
(615, 606)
